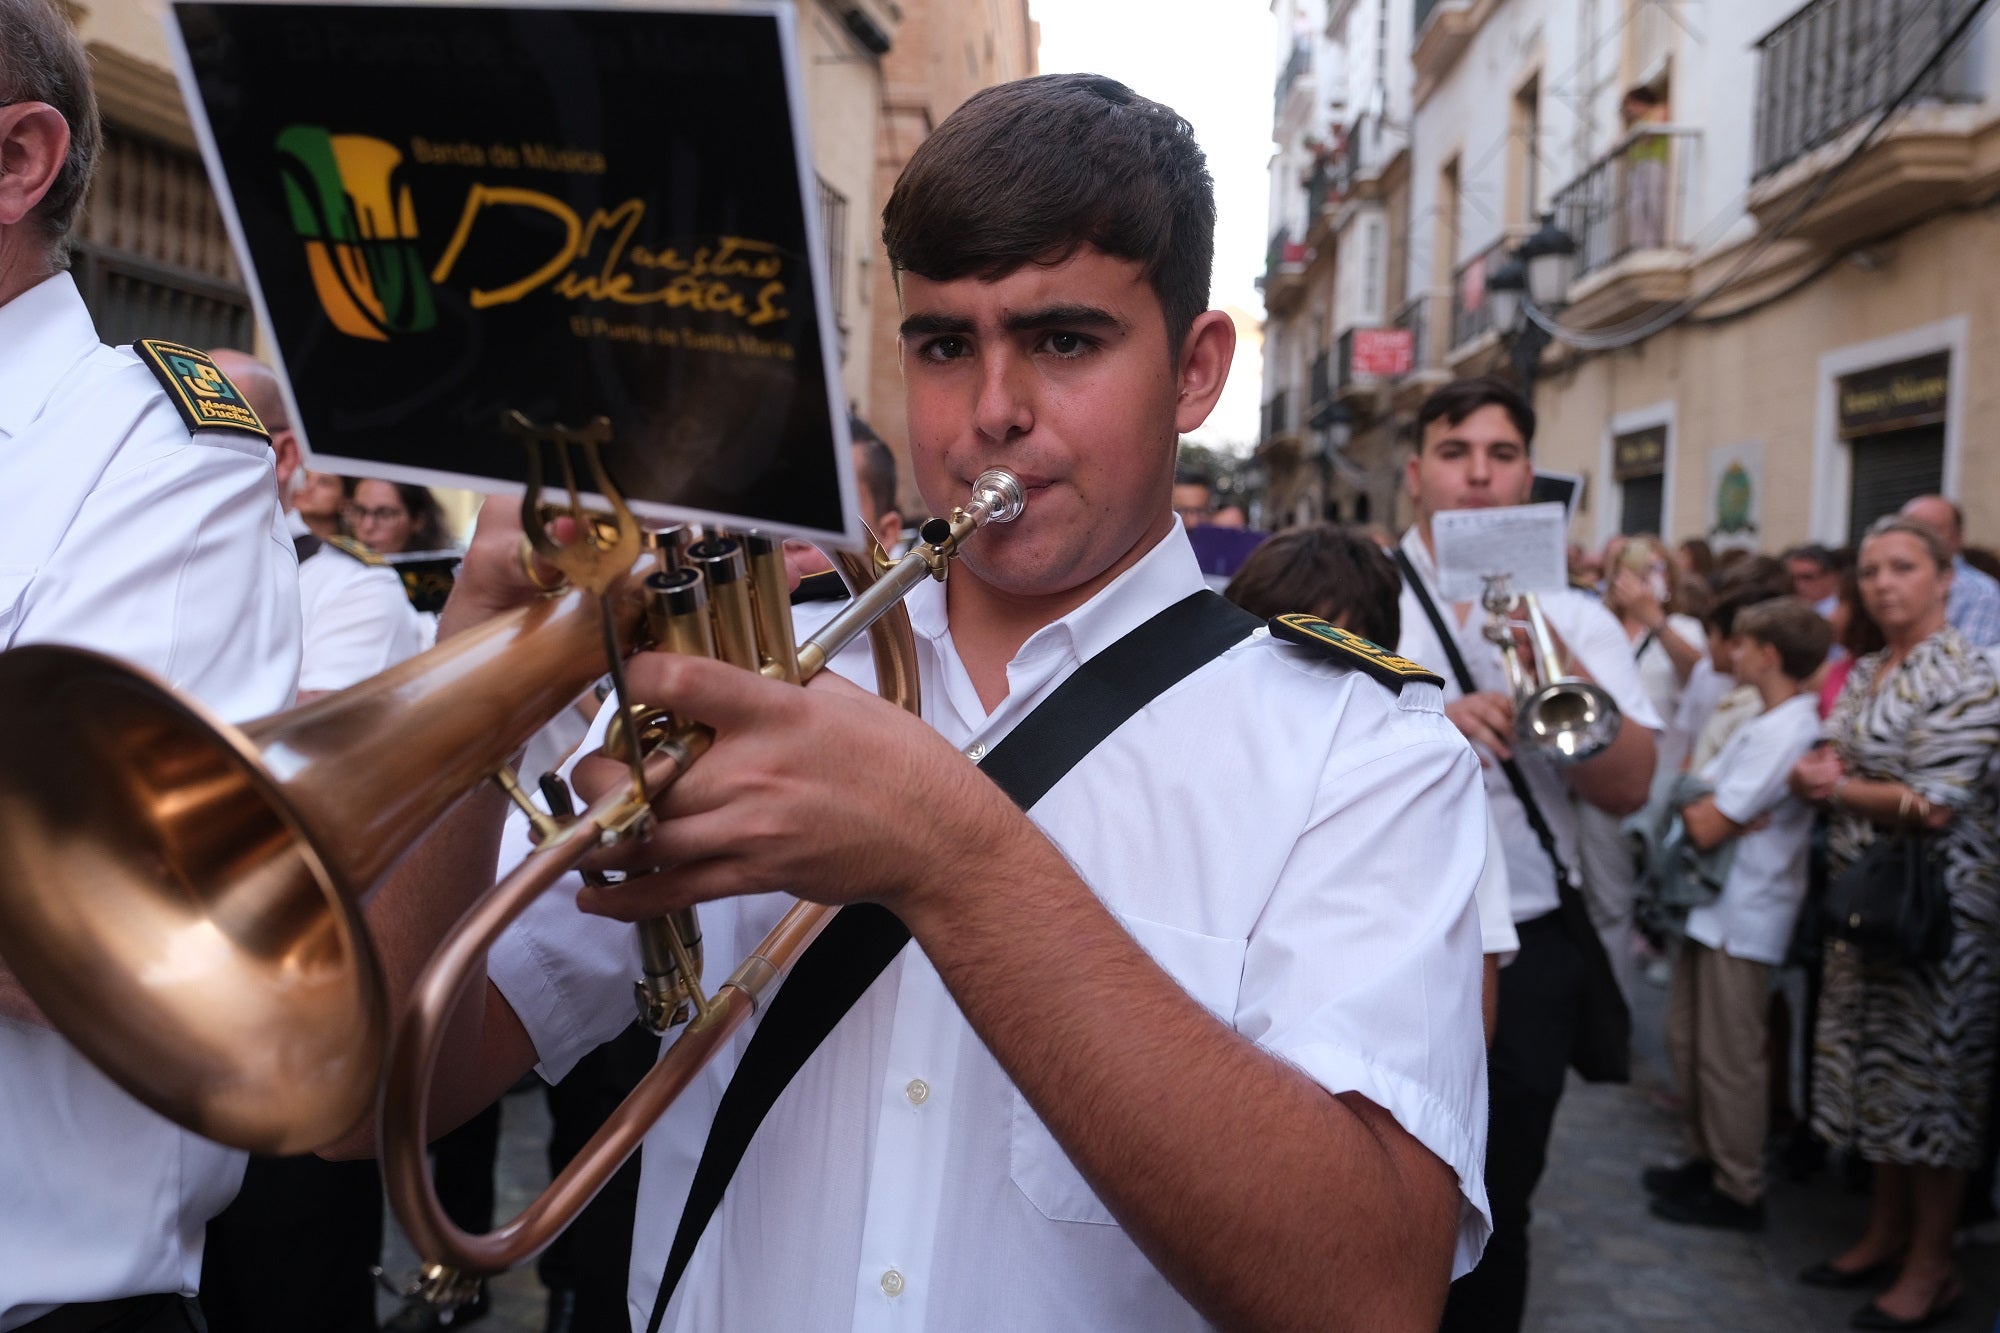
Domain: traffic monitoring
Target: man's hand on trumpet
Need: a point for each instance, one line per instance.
(826, 792)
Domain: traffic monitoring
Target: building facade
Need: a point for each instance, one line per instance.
(1342, 321)
(1776, 304)
(945, 51)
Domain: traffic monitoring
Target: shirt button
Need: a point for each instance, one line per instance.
(892, 1283)
(917, 1091)
(976, 752)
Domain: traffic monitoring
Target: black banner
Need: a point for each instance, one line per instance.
(1639, 453)
(455, 212)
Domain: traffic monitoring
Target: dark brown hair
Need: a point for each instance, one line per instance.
(875, 469)
(1789, 624)
(1859, 634)
(1325, 570)
(426, 518)
(1029, 172)
(1746, 582)
(1461, 398)
(41, 60)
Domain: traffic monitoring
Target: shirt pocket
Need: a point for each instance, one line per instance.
(1209, 968)
(13, 584)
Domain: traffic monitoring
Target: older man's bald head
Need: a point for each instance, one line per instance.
(257, 382)
(1940, 516)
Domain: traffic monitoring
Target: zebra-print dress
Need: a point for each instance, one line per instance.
(1905, 1055)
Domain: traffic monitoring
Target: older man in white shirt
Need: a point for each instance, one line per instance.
(153, 537)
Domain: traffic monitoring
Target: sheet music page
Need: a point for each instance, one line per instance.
(1524, 542)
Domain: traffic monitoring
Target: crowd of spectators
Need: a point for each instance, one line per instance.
(1819, 705)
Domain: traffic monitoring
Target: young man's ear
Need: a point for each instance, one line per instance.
(34, 141)
(1206, 352)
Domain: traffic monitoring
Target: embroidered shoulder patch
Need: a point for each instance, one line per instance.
(361, 551)
(201, 393)
(1377, 661)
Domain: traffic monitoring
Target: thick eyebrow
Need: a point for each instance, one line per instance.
(1026, 321)
(928, 326)
(1064, 317)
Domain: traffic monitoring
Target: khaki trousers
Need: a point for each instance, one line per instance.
(1716, 1020)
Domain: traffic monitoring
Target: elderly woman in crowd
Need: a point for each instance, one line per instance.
(1905, 1053)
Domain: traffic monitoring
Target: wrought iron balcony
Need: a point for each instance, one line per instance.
(1297, 64)
(1415, 317)
(1635, 197)
(1318, 186)
(1471, 312)
(1835, 62)
(1277, 415)
(1343, 364)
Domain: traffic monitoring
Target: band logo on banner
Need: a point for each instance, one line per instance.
(565, 213)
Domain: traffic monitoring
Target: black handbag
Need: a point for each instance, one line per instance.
(1891, 905)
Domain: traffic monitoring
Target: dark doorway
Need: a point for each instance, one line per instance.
(1644, 501)
(1891, 469)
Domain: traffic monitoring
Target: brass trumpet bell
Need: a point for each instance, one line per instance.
(1569, 720)
(181, 897)
(174, 922)
(1564, 718)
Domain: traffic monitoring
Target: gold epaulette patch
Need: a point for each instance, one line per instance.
(201, 393)
(359, 550)
(1377, 661)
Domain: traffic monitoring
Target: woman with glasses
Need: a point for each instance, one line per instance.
(391, 518)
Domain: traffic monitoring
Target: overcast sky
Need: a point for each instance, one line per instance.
(1211, 60)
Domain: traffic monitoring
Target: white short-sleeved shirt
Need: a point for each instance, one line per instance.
(1249, 863)
(1753, 917)
(1705, 688)
(1663, 684)
(1598, 641)
(127, 535)
(358, 620)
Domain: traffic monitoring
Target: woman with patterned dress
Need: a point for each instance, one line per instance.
(1905, 1054)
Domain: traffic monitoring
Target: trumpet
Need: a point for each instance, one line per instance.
(1563, 717)
(181, 897)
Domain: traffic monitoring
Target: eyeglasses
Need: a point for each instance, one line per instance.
(363, 514)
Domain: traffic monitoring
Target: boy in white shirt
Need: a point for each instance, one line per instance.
(1716, 1010)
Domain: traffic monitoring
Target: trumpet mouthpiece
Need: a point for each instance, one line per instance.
(1000, 492)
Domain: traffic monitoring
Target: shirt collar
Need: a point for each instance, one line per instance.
(1161, 577)
(43, 332)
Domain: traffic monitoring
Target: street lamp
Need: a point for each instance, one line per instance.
(1550, 258)
(1506, 286)
(1334, 424)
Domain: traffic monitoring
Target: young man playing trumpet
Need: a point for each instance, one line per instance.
(1473, 440)
(1196, 1038)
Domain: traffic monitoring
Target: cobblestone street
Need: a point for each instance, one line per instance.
(1602, 1264)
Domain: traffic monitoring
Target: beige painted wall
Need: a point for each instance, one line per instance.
(945, 51)
(1759, 378)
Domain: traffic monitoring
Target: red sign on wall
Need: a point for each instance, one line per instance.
(1384, 352)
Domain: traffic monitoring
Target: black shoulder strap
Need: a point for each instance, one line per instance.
(862, 939)
(1515, 778)
(1607, 1057)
